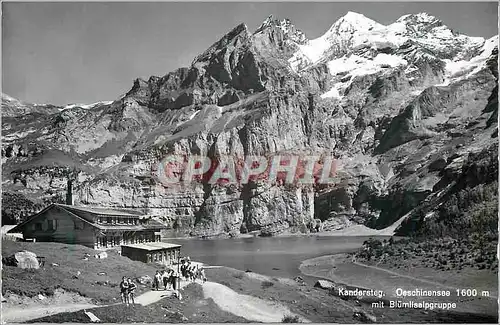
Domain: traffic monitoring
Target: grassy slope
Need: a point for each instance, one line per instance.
(70, 261)
(319, 306)
(193, 308)
(314, 304)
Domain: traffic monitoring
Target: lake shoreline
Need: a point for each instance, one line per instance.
(352, 231)
(342, 270)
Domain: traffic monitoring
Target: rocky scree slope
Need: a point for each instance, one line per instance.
(406, 108)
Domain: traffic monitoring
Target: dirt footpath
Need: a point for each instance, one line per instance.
(19, 315)
(248, 307)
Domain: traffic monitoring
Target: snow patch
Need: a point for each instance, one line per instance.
(193, 115)
(85, 106)
(335, 91)
(357, 65)
(461, 69)
(387, 59)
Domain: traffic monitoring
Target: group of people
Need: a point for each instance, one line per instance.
(192, 271)
(166, 278)
(169, 278)
(127, 290)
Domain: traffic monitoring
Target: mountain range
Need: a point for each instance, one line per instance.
(409, 110)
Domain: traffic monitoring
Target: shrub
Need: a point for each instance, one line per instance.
(291, 319)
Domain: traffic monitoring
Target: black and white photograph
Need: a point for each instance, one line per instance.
(249, 162)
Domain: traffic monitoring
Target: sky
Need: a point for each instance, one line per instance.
(65, 52)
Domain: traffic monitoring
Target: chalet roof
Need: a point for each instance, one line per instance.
(7, 228)
(128, 227)
(19, 227)
(102, 211)
(152, 246)
(73, 211)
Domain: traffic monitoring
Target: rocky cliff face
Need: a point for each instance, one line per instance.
(403, 107)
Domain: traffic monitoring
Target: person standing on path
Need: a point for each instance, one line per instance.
(173, 279)
(176, 284)
(157, 280)
(131, 291)
(124, 290)
(165, 279)
(183, 269)
(202, 275)
(194, 272)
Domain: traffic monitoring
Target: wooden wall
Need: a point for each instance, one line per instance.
(64, 228)
(164, 256)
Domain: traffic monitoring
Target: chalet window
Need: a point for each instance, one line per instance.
(108, 220)
(51, 224)
(38, 226)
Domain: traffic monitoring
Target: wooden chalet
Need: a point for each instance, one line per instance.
(98, 228)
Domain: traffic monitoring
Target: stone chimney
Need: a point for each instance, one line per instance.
(69, 193)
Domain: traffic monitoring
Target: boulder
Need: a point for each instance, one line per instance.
(24, 260)
(101, 255)
(438, 164)
(75, 276)
(145, 279)
(324, 284)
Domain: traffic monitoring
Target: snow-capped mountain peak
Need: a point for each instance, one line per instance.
(267, 22)
(353, 22)
(286, 26)
(422, 18)
(355, 32)
(351, 30)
